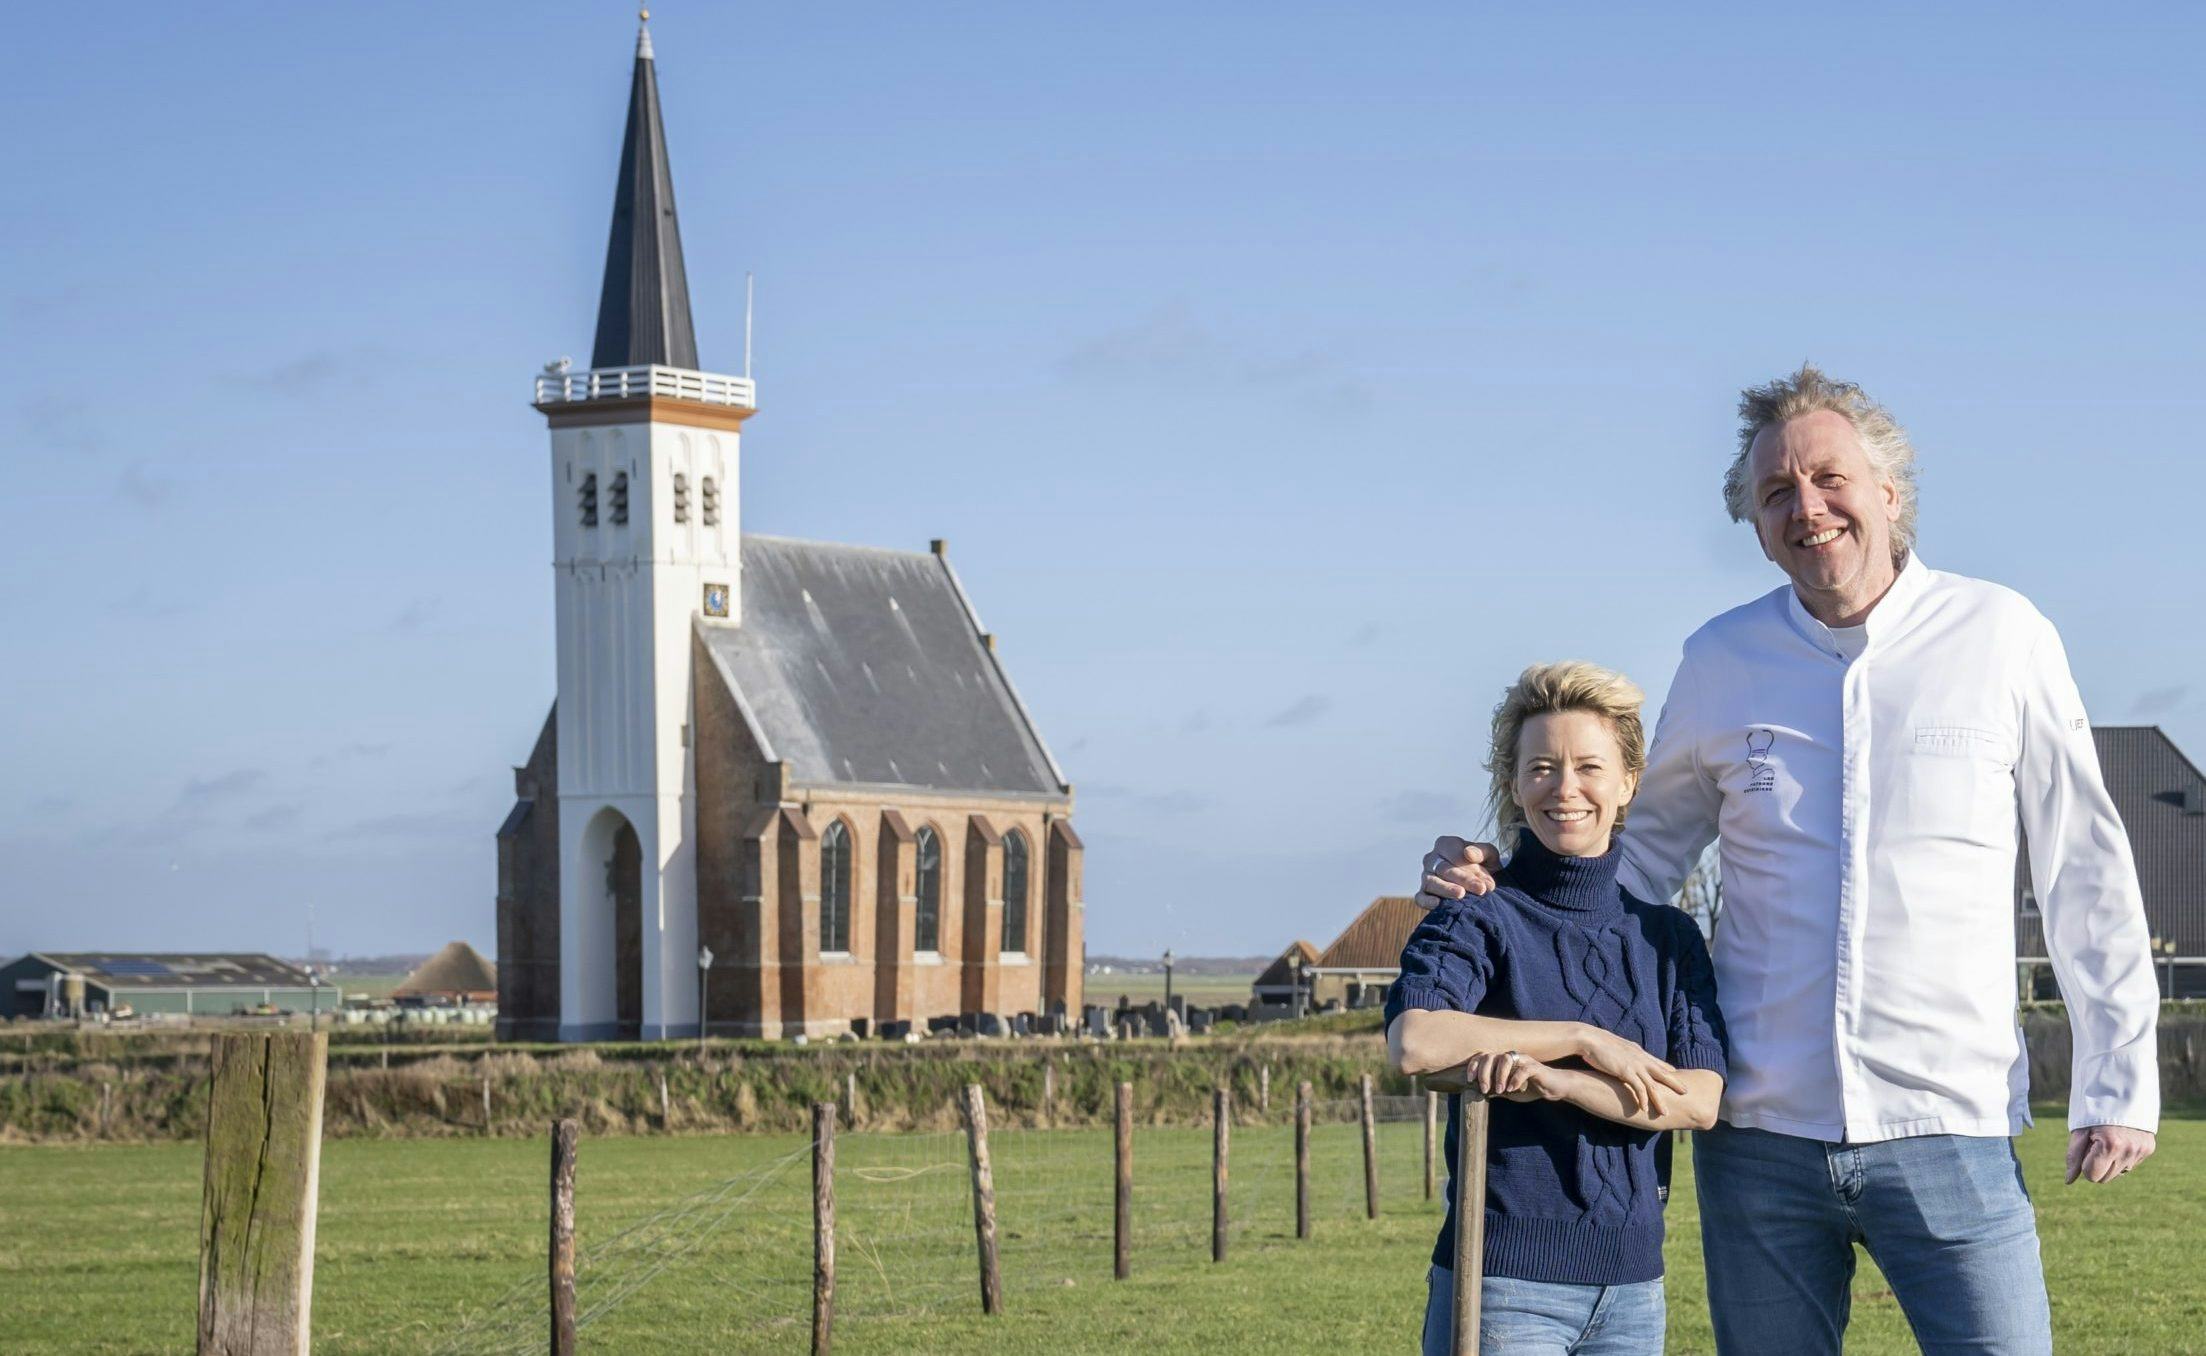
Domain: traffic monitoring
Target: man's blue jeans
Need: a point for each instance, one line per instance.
(1945, 1217)
(1540, 1318)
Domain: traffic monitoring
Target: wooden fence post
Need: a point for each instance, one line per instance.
(823, 1227)
(107, 1109)
(1302, 1160)
(1470, 1219)
(257, 1209)
(984, 1200)
(1432, 1127)
(850, 1099)
(1049, 1092)
(1370, 1155)
(1264, 1091)
(1123, 1224)
(666, 1103)
(1221, 1118)
(486, 1103)
(566, 1135)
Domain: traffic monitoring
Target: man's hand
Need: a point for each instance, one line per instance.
(2101, 1153)
(1455, 868)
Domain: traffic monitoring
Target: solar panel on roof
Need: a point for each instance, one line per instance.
(138, 968)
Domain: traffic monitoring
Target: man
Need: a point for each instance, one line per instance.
(1864, 741)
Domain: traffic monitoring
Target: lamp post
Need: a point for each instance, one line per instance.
(2165, 946)
(1168, 979)
(1294, 968)
(314, 1001)
(704, 971)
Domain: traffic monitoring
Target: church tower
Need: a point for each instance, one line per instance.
(644, 472)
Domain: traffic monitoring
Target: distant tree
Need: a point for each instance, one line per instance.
(1702, 894)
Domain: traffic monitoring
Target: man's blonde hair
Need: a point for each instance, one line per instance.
(1571, 685)
(1806, 391)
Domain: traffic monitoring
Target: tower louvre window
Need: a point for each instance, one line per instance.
(588, 498)
(681, 497)
(620, 500)
(710, 493)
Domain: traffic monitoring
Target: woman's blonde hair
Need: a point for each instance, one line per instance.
(1571, 685)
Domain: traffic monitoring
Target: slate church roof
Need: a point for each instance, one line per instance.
(861, 666)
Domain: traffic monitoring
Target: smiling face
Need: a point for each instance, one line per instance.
(1571, 781)
(1823, 514)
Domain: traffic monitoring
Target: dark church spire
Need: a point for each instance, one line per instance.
(643, 311)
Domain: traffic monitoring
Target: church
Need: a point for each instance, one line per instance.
(786, 787)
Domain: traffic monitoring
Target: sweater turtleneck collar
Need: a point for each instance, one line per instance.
(1577, 885)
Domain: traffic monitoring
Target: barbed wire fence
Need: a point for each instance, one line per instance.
(904, 1206)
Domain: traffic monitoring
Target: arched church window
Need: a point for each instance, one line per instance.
(927, 928)
(1014, 892)
(588, 500)
(835, 888)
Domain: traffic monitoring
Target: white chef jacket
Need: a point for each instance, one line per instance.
(1865, 961)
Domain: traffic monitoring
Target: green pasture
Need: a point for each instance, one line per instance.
(703, 1244)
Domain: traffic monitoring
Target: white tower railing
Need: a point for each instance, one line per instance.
(635, 383)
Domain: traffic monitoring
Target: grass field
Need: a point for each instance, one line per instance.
(421, 1239)
(1204, 991)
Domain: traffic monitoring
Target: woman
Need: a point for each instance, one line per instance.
(1588, 1015)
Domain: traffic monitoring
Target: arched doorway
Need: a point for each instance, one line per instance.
(624, 883)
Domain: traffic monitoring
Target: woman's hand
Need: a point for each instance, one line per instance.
(1646, 1080)
(1513, 1076)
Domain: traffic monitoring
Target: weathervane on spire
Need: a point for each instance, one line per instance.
(643, 33)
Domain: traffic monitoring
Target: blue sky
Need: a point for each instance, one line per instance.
(1283, 377)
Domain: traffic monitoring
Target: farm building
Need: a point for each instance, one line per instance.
(786, 787)
(1276, 985)
(1357, 968)
(2161, 796)
(209, 984)
(457, 974)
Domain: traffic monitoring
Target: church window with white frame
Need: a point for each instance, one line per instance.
(927, 928)
(1014, 892)
(835, 889)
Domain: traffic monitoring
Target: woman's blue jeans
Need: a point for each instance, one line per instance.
(1545, 1318)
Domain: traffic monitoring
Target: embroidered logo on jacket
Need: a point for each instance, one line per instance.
(1763, 776)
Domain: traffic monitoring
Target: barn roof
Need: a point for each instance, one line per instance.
(2161, 796)
(1374, 941)
(1280, 973)
(457, 969)
(179, 969)
(862, 666)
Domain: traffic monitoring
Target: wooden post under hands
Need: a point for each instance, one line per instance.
(1302, 1160)
(257, 1210)
(984, 1200)
(1370, 1155)
(566, 1135)
(1123, 1224)
(1221, 1119)
(1470, 1220)
(1432, 1128)
(823, 1227)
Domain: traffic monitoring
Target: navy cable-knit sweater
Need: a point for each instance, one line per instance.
(1570, 1196)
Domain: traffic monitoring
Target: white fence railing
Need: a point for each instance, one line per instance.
(634, 383)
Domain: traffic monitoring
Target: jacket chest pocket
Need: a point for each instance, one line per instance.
(1957, 782)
